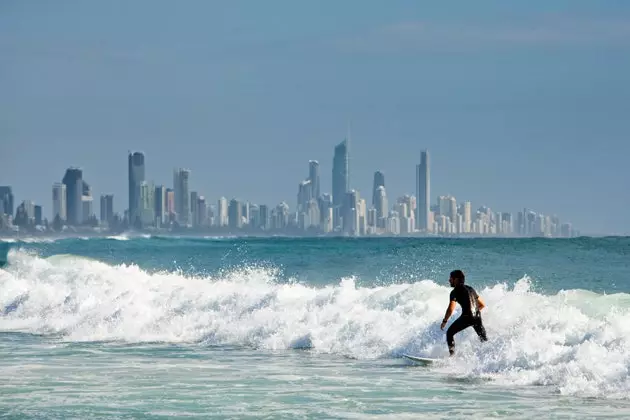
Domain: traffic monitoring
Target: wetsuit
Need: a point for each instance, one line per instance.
(467, 297)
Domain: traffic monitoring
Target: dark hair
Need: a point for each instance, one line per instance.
(459, 276)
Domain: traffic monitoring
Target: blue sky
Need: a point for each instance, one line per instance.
(519, 103)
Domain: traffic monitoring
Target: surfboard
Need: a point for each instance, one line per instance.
(423, 360)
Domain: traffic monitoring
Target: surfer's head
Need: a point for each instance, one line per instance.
(457, 277)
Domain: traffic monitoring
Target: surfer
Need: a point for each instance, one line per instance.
(471, 304)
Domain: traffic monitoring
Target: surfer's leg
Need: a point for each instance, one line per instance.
(458, 325)
(480, 329)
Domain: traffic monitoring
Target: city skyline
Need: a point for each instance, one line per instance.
(519, 104)
(151, 206)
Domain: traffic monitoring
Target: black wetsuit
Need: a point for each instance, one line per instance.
(467, 297)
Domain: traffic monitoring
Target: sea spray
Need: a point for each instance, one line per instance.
(575, 340)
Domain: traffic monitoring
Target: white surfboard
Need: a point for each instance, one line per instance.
(423, 360)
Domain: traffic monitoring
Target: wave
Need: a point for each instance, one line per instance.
(575, 341)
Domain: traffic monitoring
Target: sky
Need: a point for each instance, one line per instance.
(520, 104)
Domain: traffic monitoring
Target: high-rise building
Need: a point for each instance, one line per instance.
(182, 196)
(254, 216)
(146, 207)
(87, 203)
(305, 193)
(25, 214)
(340, 180)
(245, 213)
(6, 200)
(313, 176)
(235, 214)
(448, 207)
(351, 213)
(467, 216)
(73, 180)
(136, 177)
(423, 191)
(194, 208)
(38, 215)
(381, 205)
(59, 201)
(170, 204)
(264, 217)
(201, 215)
(325, 209)
(222, 210)
(379, 181)
(160, 204)
(107, 208)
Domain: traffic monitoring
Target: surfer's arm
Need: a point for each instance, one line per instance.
(481, 303)
(449, 312)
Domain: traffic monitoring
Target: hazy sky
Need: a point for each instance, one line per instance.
(519, 103)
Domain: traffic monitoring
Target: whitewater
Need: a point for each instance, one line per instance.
(311, 328)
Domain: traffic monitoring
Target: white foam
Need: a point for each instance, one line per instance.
(575, 341)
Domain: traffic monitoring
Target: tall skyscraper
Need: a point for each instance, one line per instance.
(170, 204)
(182, 196)
(38, 214)
(136, 177)
(107, 208)
(264, 216)
(87, 203)
(379, 181)
(351, 212)
(313, 176)
(146, 207)
(201, 215)
(59, 193)
(6, 201)
(235, 214)
(381, 206)
(222, 210)
(160, 204)
(423, 191)
(305, 193)
(73, 180)
(340, 180)
(194, 207)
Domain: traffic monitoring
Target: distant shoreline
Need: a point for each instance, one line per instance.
(131, 234)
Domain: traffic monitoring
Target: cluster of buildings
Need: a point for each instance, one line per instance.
(344, 212)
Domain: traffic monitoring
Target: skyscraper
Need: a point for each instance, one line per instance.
(305, 193)
(222, 210)
(351, 212)
(170, 204)
(59, 193)
(107, 208)
(194, 208)
(381, 206)
(38, 214)
(423, 191)
(313, 176)
(146, 207)
(182, 196)
(160, 204)
(340, 180)
(6, 201)
(136, 177)
(87, 203)
(235, 214)
(73, 180)
(379, 181)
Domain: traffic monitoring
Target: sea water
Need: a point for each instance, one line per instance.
(157, 327)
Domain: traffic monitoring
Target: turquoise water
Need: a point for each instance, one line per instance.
(133, 327)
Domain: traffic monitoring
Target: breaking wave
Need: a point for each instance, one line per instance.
(575, 341)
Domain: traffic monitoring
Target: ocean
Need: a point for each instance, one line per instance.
(161, 327)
